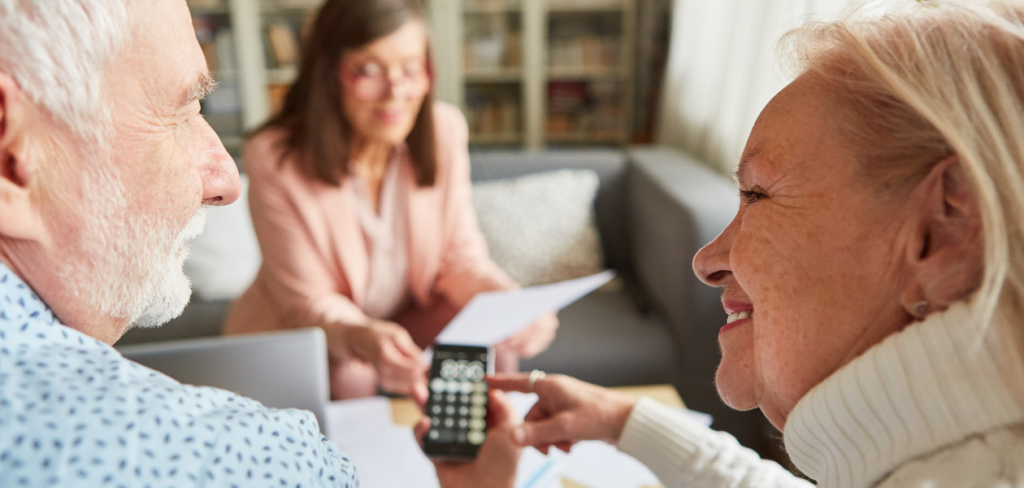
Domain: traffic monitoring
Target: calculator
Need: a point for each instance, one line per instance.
(457, 403)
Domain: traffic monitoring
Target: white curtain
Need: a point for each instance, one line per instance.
(723, 68)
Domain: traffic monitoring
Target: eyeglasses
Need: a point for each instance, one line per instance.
(371, 82)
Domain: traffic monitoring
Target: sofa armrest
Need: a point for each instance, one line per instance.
(676, 206)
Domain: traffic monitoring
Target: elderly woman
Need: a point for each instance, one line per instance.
(360, 198)
(873, 277)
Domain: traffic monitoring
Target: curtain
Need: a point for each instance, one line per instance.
(722, 69)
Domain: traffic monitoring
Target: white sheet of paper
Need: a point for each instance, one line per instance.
(492, 317)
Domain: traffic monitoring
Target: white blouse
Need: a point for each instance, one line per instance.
(386, 235)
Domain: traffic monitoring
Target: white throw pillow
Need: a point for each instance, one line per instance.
(225, 258)
(540, 227)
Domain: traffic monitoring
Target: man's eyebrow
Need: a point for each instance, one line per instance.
(203, 86)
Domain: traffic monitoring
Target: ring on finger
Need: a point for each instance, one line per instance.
(535, 375)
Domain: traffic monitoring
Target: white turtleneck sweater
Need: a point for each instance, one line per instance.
(931, 405)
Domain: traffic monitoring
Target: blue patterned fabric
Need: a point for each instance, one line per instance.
(73, 412)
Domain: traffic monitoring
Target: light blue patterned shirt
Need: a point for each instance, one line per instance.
(73, 412)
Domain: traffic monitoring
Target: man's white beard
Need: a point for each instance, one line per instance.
(134, 265)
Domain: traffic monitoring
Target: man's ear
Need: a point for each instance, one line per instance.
(19, 212)
(947, 254)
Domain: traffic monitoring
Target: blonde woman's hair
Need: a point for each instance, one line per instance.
(931, 79)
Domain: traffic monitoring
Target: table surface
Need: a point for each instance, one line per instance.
(404, 411)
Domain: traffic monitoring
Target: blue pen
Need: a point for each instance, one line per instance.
(539, 474)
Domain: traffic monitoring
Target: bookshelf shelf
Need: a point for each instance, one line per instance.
(495, 139)
(282, 76)
(570, 68)
(497, 75)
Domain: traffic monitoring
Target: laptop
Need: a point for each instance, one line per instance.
(279, 369)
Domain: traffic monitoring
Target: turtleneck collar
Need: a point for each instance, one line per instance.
(925, 387)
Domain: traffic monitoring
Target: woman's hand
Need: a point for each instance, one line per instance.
(392, 352)
(495, 463)
(532, 340)
(567, 411)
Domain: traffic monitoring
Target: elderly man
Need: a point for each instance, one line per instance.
(105, 169)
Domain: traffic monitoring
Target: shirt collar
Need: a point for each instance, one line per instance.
(18, 303)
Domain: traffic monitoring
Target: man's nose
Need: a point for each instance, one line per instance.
(221, 185)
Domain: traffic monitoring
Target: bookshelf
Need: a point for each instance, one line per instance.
(224, 29)
(537, 73)
(527, 73)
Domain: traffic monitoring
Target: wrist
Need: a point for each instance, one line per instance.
(622, 411)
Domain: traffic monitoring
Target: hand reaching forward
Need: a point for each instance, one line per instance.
(567, 411)
(391, 350)
(495, 463)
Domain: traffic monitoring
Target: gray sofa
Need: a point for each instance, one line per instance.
(654, 209)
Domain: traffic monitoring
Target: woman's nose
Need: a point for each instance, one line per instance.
(711, 264)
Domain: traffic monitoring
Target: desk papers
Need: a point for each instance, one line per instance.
(388, 456)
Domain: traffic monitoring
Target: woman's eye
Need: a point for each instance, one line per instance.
(413, 69)
(369, 69)
(752, 195)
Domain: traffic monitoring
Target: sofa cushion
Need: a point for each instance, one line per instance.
(609, 206)
(604, 339)
(540, 228)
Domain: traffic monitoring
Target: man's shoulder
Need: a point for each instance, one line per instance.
(74, 408)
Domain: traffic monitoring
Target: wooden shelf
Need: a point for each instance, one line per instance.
(596, 6)
(500, 75)
(503, 138)
(587, 137)
(586, 73)
(282, 76)
(490, 8)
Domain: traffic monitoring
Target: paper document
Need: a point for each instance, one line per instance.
(492, 317)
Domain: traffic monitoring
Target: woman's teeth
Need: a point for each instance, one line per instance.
(738, 316)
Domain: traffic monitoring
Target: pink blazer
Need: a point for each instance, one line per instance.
(315, 265)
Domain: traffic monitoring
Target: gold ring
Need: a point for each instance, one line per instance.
(534, 376)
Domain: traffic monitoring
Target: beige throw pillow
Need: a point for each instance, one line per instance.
(540, 228)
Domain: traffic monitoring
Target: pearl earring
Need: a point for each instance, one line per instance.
(921, 307)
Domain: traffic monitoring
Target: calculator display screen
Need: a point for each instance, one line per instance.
(457, 403)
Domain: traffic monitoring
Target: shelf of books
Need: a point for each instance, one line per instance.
(589, 74)
(538, 73)
(222, 108)
(492, 66)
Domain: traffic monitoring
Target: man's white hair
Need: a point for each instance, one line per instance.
(58, 52)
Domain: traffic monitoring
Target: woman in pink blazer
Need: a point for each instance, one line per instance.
(360, 196)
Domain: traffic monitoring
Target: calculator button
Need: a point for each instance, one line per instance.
(476, 437)
(436, 409)
(454, 386)
(477, 412)
(476, 424)
(467, 388)
(463, 410)
(450, 410)
(463, 423)
(461, 438)
(481, 387)
(435, 421)
(464, 398)
(479, 399)
(449, 422)
(434, 434)
(438, 385)
(450, 398)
